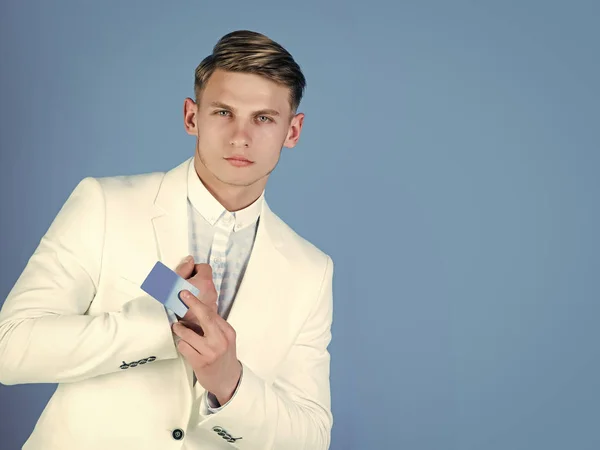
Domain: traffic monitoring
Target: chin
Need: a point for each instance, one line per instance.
(239, 180)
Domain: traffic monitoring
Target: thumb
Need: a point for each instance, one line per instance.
(185, 267)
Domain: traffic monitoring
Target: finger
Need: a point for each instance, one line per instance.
(192, 325)
(227, 333)
(200, 276)
(200, 344)
(195, 358)
(185, 267)
(227, 330)
(205, 315)
(207, 295)
(189, 320)
(203, 280)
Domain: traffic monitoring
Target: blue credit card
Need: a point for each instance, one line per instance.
(164, 285)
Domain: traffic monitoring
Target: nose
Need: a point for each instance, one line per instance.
(240, 138)
(239, 143)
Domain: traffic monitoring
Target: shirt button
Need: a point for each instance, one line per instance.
(177, 434)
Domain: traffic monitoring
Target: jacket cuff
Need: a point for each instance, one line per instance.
(212, 404)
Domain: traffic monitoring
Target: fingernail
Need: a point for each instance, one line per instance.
(187, 259)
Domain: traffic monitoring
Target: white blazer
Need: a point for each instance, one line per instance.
(77, 314)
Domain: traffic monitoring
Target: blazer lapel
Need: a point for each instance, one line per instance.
(171, 227)
(170, 218)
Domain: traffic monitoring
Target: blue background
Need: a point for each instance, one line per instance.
(449, 164)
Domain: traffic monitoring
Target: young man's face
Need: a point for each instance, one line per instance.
(241, 115)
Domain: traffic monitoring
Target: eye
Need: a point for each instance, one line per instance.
(222, 113)
(264, 119)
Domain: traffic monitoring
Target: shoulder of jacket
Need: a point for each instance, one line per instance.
(299, 247)
(123, 193)
(131, 184)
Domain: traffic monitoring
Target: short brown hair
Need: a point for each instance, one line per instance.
(251, 52)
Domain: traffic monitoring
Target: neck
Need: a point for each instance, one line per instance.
(232, 197)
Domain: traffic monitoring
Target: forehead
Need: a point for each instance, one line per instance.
(246, 91)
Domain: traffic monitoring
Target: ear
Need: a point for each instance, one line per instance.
(294, 131)
(190, 116)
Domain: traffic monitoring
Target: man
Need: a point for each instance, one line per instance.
(248, 365)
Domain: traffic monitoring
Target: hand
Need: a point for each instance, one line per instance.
(200, 276)
(207, 340)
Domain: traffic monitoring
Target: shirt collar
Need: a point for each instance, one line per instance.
(210, 208)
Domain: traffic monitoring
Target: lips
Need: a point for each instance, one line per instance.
(238, 158)
(239, 161)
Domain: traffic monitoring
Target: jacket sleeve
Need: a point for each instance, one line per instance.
(46, 332)
(295, 411)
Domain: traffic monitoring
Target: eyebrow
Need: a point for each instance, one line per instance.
(271, 112)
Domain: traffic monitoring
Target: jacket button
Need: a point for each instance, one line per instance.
(177, 434)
